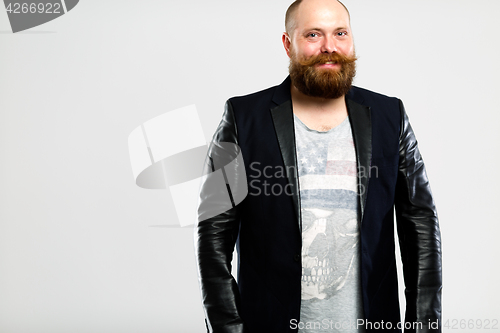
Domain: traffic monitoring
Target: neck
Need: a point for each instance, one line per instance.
(318, 103)
(321, 114)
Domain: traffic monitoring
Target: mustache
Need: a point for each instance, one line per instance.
(323, 58)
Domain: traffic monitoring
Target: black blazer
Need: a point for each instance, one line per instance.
(266, 225)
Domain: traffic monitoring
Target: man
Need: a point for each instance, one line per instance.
(326, 165)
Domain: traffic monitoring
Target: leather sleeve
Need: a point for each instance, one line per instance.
(215, 239)
(419, 235)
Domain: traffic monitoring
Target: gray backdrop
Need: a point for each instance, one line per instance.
(83, 249)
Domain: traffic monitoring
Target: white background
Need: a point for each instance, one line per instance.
(83, 249)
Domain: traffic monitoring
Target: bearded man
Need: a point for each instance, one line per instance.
(326, 165)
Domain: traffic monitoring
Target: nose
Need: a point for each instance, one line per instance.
(329, 45)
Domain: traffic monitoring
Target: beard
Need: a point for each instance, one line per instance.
(322, 82)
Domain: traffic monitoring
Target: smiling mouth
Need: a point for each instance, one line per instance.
(328, 64)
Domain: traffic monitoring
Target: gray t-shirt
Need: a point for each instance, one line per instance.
(331, 288)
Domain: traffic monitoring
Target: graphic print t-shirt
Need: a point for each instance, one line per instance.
(331, 289)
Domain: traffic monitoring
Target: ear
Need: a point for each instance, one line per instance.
(286, 43)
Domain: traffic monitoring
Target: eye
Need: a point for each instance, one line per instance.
(342, 33)
(312, 35)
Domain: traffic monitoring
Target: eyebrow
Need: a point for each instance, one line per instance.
(319, 29)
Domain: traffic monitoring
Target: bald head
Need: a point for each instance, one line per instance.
(292, 11)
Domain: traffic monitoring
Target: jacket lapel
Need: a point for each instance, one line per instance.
(282, 115)
(360, 119)
(283, 124)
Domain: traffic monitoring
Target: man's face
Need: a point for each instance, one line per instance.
(321, 49)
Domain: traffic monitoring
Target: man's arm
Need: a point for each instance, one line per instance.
(419, 235)
(216, 237)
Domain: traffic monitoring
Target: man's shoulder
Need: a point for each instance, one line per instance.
(264, 96)
(371, 98)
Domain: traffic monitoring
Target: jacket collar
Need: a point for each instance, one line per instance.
(360, 120)
(282, 92)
